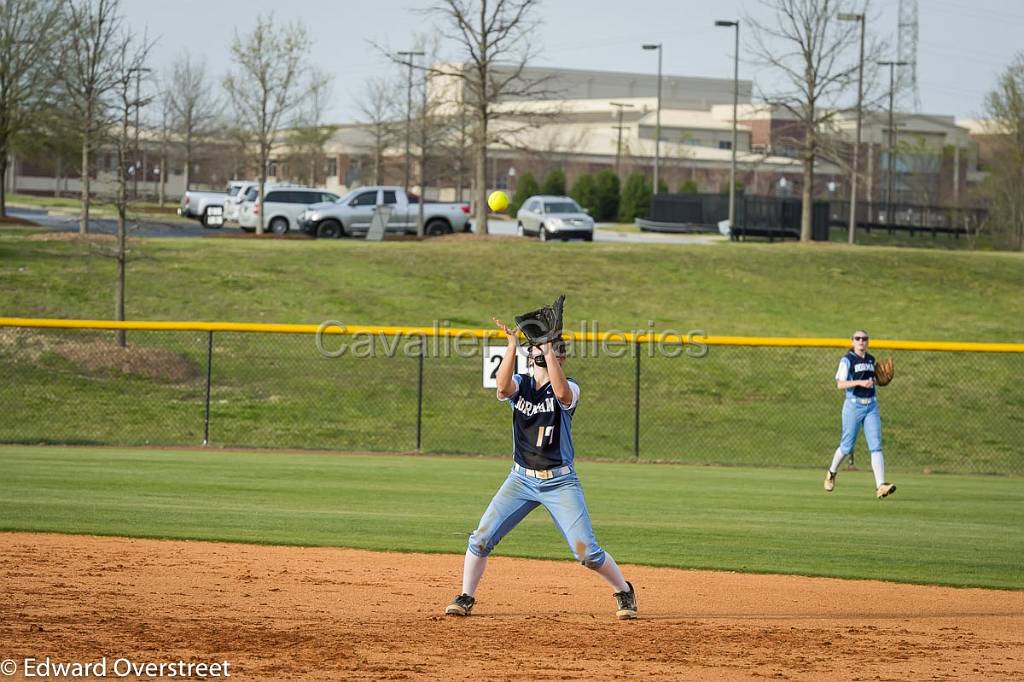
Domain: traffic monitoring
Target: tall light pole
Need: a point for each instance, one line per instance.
(657, 125)
(618, 148)
(735, 114)
(892, 145)
(410, 56)
(860, 108)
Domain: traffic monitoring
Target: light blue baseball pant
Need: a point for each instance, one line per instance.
(519, 495)
(856, 415)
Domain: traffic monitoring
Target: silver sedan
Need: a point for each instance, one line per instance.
(551, 217)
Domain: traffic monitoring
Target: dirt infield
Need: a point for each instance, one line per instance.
(298, 613)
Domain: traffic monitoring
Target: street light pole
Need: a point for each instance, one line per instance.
(852, 227)
(618, 148)
(410, 55)
(892, 129)
(657, 119)
(138, 99)
(735, 115)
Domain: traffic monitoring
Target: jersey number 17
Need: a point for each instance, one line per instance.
(545, 432)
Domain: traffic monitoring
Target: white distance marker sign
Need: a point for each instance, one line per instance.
(492, 360)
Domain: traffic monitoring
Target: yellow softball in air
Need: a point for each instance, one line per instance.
(498, 201)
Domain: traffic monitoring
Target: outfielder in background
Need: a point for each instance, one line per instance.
(543, 473)
(859, 375)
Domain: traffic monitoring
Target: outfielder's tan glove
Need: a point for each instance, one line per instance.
(884, 371)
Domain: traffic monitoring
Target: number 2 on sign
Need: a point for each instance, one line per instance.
(545, 432)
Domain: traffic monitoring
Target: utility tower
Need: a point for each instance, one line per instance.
(906, 49)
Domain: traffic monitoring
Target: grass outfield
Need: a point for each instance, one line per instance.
(738, 406)
(936, 529)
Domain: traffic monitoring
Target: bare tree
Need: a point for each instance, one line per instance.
(495, 45)
(130, 59)
(309, 135)
(547, 149)
(28, 40)
(194, 107)
(431, 127)
(462, 148)
(378, 106)
(1005, 109)
(812, 54)
(240, 145)
(52, 136)
(88, 72)
(265, 89)
(433, 124)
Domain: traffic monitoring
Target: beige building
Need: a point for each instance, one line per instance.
(157, 168)
(574, 126)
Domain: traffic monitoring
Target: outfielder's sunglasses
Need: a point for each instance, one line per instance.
(860, 338)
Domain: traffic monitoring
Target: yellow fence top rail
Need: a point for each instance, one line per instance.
(444, 331)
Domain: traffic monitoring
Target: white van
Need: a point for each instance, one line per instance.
(281, 211)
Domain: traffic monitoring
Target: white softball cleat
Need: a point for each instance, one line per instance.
(885, 490)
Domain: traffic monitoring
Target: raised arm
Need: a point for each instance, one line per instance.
(506, 386)
(559, 384)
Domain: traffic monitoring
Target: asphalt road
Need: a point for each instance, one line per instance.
(177, 227)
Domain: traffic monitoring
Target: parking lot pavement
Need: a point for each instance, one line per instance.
(182, 228)
(147, 228)
(603, 235)
(508, 227)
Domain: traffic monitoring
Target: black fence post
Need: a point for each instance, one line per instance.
(209, 373)
(636, 403)
(419, 397)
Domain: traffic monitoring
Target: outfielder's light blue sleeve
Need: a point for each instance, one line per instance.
(511, 399)
(575, 389)
(844, 369)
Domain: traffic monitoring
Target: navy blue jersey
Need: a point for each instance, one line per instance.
(541, 426)
(852, 367)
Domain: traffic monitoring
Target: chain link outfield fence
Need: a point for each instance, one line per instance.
(726, 401)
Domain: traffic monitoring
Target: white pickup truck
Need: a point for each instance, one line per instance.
(206, 207)
(213, 208)
(351, 214)
(237, 189)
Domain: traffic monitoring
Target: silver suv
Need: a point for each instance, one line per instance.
(551, 217)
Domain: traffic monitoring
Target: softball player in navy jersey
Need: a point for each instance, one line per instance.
(543, 473)
(856, 376)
